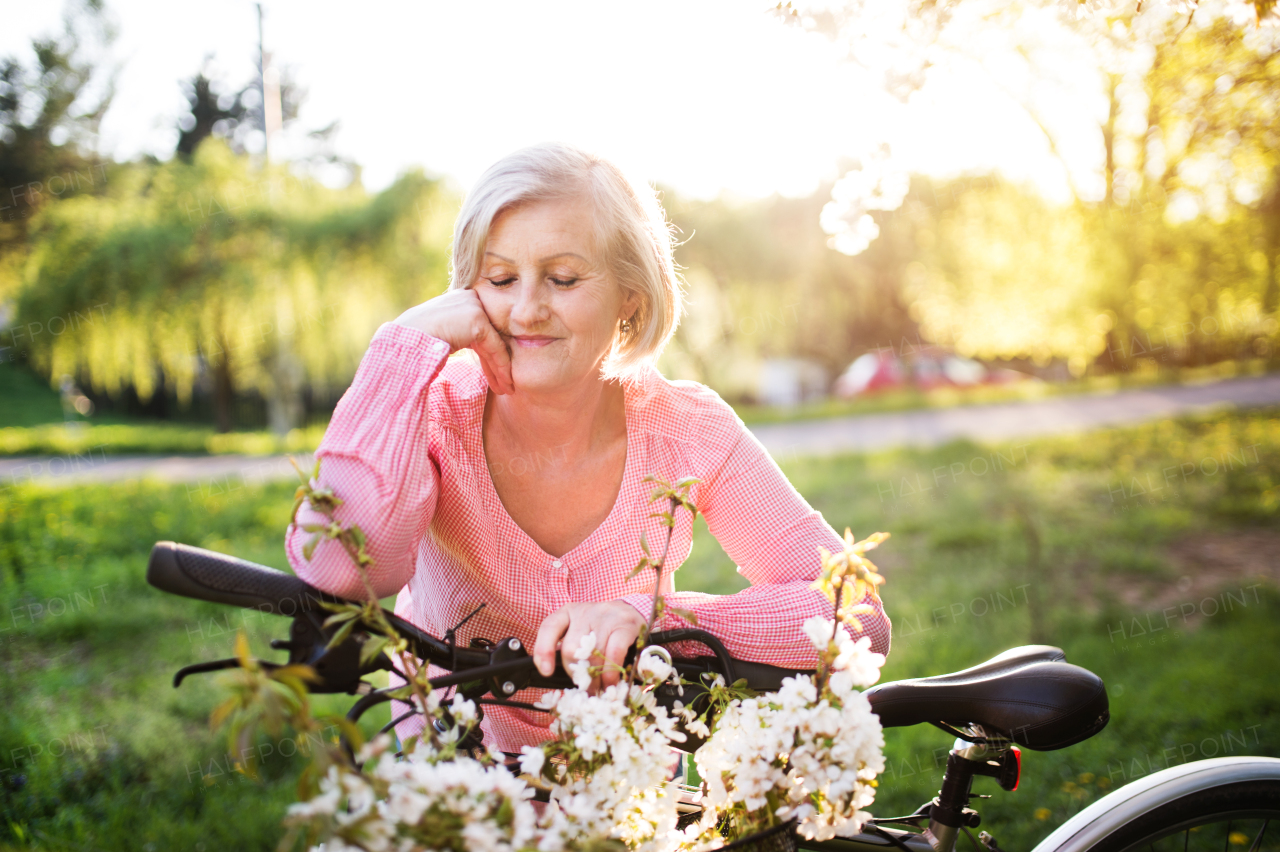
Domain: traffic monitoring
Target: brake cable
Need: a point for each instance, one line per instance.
(451, 637)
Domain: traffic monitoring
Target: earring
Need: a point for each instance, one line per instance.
(626, 326)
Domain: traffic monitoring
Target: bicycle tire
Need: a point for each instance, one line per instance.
(1242, 801)
(1177, 800)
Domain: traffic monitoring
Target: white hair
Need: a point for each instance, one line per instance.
(632, 235)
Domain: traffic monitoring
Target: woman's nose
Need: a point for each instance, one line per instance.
(530, 307)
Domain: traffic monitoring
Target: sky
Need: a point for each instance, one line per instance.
(705, 96)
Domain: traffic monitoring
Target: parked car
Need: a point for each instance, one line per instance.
(871, 372)
(924, 369)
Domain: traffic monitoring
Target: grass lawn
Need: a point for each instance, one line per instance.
(1148, 553)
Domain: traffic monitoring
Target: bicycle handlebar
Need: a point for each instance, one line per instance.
(193, 572)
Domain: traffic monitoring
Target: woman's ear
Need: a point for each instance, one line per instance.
(630, 304)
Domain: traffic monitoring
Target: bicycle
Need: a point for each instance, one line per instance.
(1027, 697)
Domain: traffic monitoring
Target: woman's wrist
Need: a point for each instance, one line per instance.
(418, 320)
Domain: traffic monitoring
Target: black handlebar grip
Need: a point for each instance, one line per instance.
(763, 677)
(208, 576)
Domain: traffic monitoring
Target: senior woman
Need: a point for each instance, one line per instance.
(513, 477)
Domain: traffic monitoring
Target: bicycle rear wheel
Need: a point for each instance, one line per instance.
(1229, 804)
(1242, 817)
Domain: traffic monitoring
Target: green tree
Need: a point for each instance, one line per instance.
(49, 115)
(210, 113)
(1188, 235)
(1176, 262)
(215, 271)
(1003, 274)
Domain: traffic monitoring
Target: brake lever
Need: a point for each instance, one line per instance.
(216, 665)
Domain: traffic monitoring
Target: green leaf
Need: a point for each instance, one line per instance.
(644, 545)
(350, 730)
(308, 782)
(640, 566)
(334, 607)
(310, 547)
(341, 617)
(372, 647)
(687, 614)
(341, 636)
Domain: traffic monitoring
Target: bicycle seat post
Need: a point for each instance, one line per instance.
(950, 809)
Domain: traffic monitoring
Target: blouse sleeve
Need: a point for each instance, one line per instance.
(773, 535)
(376, 456)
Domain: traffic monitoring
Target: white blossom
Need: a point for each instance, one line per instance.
(463, 710)
(532, 759)
(878, 185)
(830, 743)
(808, 750)
(580, 668)
(652, 667)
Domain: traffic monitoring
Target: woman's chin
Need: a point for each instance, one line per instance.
(537, 375)
(534, 379)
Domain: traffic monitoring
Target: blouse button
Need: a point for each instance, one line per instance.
(556, 563)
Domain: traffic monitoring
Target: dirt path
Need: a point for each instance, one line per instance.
(987, 424)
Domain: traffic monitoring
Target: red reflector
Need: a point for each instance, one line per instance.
(1017, 755)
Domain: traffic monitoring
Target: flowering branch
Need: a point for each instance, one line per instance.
(677, 496)
(847, 579)
(370, 612)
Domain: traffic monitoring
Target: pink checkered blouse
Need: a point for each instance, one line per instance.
(404, 451)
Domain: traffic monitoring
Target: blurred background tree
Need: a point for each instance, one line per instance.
(1173, 263)
(212, 113)
(213, 268)
(49, 116)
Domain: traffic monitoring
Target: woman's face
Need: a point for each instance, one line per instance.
(549, 295)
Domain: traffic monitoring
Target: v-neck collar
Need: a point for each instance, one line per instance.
(602, 535)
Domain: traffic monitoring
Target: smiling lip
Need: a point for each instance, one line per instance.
(532, 341)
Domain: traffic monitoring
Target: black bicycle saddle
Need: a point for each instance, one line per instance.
(1031, 695)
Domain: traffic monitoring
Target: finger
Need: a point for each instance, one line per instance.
(495, 348)
(492, 350)
(549, 635)
(489, 377)
(615, 654)
(488, 345)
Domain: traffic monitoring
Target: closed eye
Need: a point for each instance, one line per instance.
(501, 282)
(564, 282)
